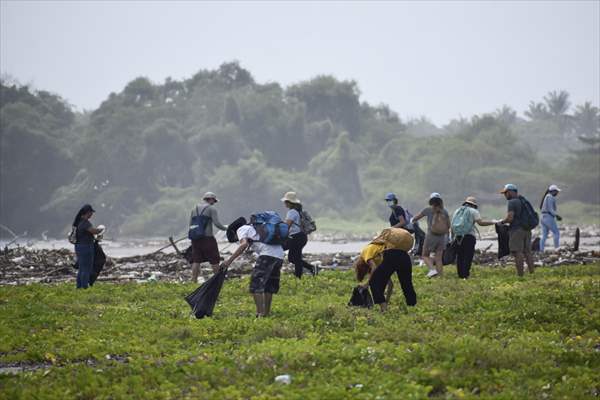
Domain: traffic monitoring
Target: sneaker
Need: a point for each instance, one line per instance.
(432, 273)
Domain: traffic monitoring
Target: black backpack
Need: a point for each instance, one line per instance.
(529, 218)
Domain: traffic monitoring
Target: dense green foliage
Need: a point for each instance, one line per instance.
(493, 336)
(146, 154)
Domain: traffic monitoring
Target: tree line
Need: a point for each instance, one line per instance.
(147, 153)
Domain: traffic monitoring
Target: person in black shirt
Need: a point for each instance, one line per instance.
(398, 216)
(84, 245)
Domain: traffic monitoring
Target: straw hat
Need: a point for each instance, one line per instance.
(471, 200)
(292, 197)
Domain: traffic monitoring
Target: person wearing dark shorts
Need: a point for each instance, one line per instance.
(264, 280)
(205, 249)
(519, 240)
(394, 261)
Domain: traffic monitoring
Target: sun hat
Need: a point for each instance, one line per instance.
(509, 186)
(210, 195)
(471, 200)
(435, 195)
(553, 188)
(390, 196)
(292, 197)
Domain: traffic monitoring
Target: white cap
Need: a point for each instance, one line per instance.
(553, 188)
(435, 195)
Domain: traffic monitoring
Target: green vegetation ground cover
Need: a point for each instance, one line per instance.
(494, 336)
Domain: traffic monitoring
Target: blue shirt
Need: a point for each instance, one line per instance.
(549, 205)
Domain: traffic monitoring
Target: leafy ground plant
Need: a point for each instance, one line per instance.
(493, 336)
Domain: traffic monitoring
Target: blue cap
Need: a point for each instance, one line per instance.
(509, 186)
(390, 196)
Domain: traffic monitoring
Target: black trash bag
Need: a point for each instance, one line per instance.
(99, 261)
(535, 244)
(187, 254)
(233, 227)
(361, 297)
(503, 248)
(203, 299)
(449, 254)
(419, 239)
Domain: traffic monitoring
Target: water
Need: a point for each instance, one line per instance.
(133, 247)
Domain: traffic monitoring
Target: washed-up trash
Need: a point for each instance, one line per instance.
(283, 379)
(361, 297)
(203, 299)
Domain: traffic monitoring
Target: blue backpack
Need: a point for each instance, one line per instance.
(198, 224)
(462, 222)
(270, 227)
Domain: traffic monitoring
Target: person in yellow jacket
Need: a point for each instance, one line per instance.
(386, 254)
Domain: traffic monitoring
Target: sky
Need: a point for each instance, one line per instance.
(442, 60)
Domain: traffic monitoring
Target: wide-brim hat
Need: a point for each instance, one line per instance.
(292, 197)
(471, 200)
(210, 195)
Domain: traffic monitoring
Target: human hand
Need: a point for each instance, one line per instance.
(102, 228)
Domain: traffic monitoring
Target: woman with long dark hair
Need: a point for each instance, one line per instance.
(296, 237)
(84, 245)
(549, 217)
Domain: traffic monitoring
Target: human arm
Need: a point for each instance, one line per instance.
(418, 217)
(372, 267)
(214, 215)
(401, 222)
(244, 244)
(482, 222)
(508, 219)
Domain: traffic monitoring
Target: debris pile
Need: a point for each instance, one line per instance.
(22, 265)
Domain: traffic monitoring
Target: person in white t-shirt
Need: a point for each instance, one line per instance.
(264, 281)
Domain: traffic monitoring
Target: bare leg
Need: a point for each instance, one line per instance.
(519, 263)
(383, 307)
(439, 265)
(530, 265)
(429, 261)
(268, 300)
(389, 291)
(195, 272)
(259, 300)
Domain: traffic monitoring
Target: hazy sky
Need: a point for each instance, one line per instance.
(439, 59)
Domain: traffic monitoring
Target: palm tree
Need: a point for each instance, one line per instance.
(506, 115)
(558, 103)
(537, 111)
(587, 120)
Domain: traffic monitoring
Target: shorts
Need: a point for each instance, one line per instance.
(433, 243)
(519, 241)
(205, 249)
(265, 275)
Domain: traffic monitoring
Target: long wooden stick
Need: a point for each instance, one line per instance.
(171, 242)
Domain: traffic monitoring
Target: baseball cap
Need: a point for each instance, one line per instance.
(435, 195)
(390, 196)
(553, 188)
(509, 186)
